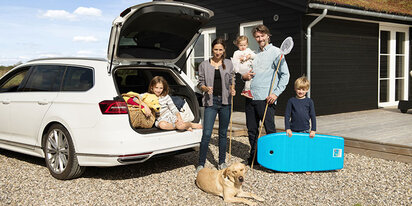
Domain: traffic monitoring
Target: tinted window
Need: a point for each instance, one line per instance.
(45, 78)
(78, 79)
(13, 81)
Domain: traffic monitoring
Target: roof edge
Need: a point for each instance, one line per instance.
(359, 12)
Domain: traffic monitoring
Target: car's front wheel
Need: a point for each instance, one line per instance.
(60, 154)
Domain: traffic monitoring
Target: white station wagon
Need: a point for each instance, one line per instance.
(70, 110)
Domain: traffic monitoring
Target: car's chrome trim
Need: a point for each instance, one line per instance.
(21, 145)
(152, 153)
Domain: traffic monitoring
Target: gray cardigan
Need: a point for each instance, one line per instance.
(206, 77)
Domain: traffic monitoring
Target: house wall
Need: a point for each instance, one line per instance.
(344, 53)
(229, 14)
(344, 65)
(410, 63)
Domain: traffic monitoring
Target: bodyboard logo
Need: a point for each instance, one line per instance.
(337, 152)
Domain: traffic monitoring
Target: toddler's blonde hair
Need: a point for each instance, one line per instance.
(302, 83)
(241, 38)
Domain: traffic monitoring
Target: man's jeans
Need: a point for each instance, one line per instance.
(255, 110)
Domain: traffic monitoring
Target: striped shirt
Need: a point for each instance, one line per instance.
(167, 107)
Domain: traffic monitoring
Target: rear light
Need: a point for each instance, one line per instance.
(113, 107)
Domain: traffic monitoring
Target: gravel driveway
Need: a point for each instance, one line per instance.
(24, 180)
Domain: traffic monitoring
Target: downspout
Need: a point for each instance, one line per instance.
(308, 46)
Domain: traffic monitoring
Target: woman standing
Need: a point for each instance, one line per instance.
(215, 81)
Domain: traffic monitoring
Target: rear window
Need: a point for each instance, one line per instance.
(138, 80)
(45, 78)
(78, 79)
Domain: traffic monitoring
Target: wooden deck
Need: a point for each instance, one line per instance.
(384, 133)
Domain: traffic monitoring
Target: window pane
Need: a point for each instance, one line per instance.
(253, 45)
(45, 78)
(384, 91)
(399, 89)
(212, 37)
(199, 47)
(400, 42)
(197, 62)
(385, 37)
(13, 83)
(384, 65)
(78, 79)
(400, 66)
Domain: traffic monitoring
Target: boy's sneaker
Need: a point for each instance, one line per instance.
(247, 94)
(222, 166)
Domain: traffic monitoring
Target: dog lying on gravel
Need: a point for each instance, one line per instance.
(226, 183)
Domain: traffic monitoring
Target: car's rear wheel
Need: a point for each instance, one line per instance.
(60, 154)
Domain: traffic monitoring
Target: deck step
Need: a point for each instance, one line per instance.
(387, 151)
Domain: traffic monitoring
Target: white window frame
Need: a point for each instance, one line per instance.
(206, 50)
(392, 64)
(248, 24)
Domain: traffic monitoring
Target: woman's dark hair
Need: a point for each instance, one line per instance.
(221, 42)
(159, 79)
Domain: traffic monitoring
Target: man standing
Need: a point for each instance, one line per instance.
(264, 66)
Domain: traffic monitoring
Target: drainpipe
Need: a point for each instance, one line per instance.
(308, 47)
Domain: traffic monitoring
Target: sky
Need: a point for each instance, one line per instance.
(31, 29)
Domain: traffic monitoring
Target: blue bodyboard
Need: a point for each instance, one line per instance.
(300, 153)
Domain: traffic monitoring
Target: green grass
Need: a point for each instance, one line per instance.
(5, 69)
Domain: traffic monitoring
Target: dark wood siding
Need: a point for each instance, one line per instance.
(410, 63)
(344, 65)
(230, 14)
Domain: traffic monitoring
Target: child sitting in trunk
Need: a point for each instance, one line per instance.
(168, 117)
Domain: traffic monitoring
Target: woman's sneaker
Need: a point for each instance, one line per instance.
(200, 167)
(222, 166)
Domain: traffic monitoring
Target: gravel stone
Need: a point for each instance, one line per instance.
(25, 180)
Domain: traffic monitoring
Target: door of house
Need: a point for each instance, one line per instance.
(202, 51)
(393, 65)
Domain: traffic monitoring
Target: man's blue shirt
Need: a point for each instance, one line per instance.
(264, 65)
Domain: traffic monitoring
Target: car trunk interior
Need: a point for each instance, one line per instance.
(137, 79)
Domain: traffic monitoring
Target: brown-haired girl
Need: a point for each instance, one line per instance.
(169, 117)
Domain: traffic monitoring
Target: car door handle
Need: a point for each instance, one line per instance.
(6, 101)
(43, 102)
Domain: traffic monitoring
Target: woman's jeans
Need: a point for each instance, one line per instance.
(209, 121)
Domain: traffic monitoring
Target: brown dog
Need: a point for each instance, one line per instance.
(226, 183)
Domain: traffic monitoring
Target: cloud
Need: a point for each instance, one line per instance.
(85, 39)
(83, 11)
(58, 14)
(78, 13)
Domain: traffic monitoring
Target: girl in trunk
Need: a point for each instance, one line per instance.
(168, 117)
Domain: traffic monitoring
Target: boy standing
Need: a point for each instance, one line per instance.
(299, 110)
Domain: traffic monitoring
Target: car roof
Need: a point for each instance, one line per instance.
(67, 58)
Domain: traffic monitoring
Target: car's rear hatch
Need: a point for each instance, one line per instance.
(155, 32)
